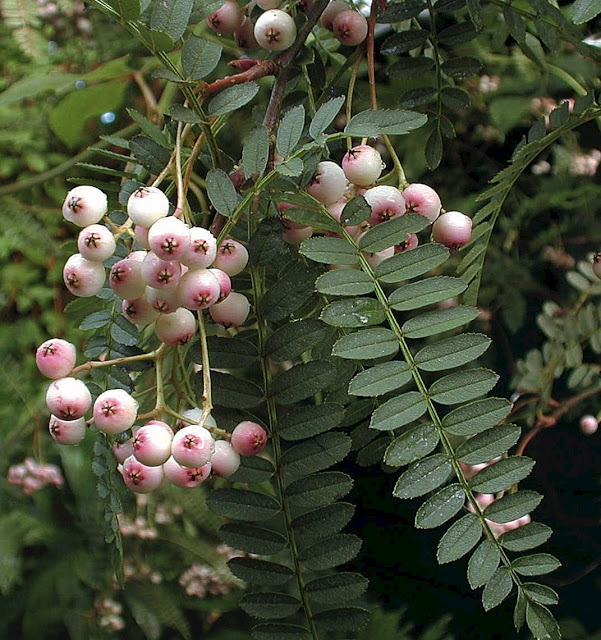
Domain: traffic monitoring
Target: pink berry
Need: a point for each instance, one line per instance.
(68, 398)
(334, 8)
(452, 229)
(194, 416)
(140, 478)
(146, 205)
(375, 259)
(123, 449)
(275, 30)
(362, 165)
(159, 273)
(139, 311)
(409, 243)
(232, 257)
(244, 35)
(186, 477)
(193, 446)
(175, 328)
(232, 312)
(96, 243)
(328, 184)
(268, 4)
(225, 460)
(385, 202)
(202, 250)
(588, 425)
(141, 236)
(198, 289)
(297, 236)
(115, 411)
(422, 199)
(350, 28)
(169, 238)
(225, 284)
(82, 277)
(152, 443)
(67, 431)
(227, 18)
(85, 205)
(55, 358)
(162, 300)
(125, 279)
(249, 438)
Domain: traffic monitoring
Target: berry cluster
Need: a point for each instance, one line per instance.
(275, 29)
(334, 185)
(181, 270)
(31, 476)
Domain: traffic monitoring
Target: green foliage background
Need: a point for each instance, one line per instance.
(60, 75)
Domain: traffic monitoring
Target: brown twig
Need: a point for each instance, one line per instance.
(376, 6)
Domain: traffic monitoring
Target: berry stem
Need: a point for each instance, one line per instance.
(207, 401)
(96, 364)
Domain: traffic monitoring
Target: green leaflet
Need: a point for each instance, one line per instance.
(252, 539)
(399, 411)
(427, 291)
(440, 507)
(423, 476)
(331, 552)
(476, 416)
(316, 454)
(527, 537)
(497, 588)
(412, 445)
(243, 504)
(513, 506)
(260, 572)
(323, 522)
(502, 474)
(380, 379)
(411, 264)
(483, 563)
(451, 352)
(460, 538)
(269, 604)
(462, 386)
(489, 444)
(336, 588)
(366, 344)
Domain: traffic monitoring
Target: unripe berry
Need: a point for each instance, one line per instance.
(124, 449)
(146, 205)
(198, 289)
(140, 478)
(159, 273)
(409, 243)
(225, 460)
(334, 8)
(125, 279)
(152, 443)
(232, 312)
(192, 446)
(115, 411)
(55, 358)
(96, 243)
(82, 277)
(452, 229)
(137, 256)
(244, 36)
(385, 202)
(175, 328)
(588, 425)
(169, 238)
(597, 264)
(328, 184)
(68, 398)
(275, 30)
(186, 477)
(350, 28)
(202, 250)
(85, 205)
(362, 165)
(67, 431)
(232, 257)
(139, 311)
(422, 199)
(227, 18)
(163, 300)
(225, 284)
(249, 438)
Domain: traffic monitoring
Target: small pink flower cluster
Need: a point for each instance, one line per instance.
(201, 581)
(109, 614)
(139, 527)
(31, 476)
